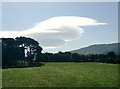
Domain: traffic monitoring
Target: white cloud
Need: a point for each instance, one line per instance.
(9, 34)
(56, 22)
(55, 31)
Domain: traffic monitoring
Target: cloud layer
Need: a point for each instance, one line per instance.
(55, 31)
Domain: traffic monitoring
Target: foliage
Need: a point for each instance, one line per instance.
(13, 51)
(110, 57)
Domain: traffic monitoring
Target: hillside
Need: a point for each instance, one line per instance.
(99, 48)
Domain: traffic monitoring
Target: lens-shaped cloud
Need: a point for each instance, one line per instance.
(55, 31)
(56, 22)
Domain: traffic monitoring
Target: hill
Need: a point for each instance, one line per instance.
(99, 48)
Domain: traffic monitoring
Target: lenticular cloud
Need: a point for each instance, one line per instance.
(55, 31)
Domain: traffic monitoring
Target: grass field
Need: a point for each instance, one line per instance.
(63, 75)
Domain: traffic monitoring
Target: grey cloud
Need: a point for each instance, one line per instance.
(55, 39)
(46, 42)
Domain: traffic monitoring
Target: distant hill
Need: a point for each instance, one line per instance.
(99, 48)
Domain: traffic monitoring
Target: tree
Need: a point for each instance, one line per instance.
(11, 54)
(13, 51)
(111, 57)
(75, 57)
(31, 46)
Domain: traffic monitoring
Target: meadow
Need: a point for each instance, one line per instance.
(62, 74)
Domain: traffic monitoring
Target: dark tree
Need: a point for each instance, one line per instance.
(32, 48)
(111, 57)
(13, 51)
(11, 54)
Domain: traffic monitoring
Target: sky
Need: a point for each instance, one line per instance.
(62, 26)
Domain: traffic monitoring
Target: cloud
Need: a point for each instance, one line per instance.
(56, 22)
(10, 34)
(56, 31)
(63, 32)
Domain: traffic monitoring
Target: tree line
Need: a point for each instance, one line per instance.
(25, 52)
(110, 57)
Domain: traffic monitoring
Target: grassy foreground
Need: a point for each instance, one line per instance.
(63, 75)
